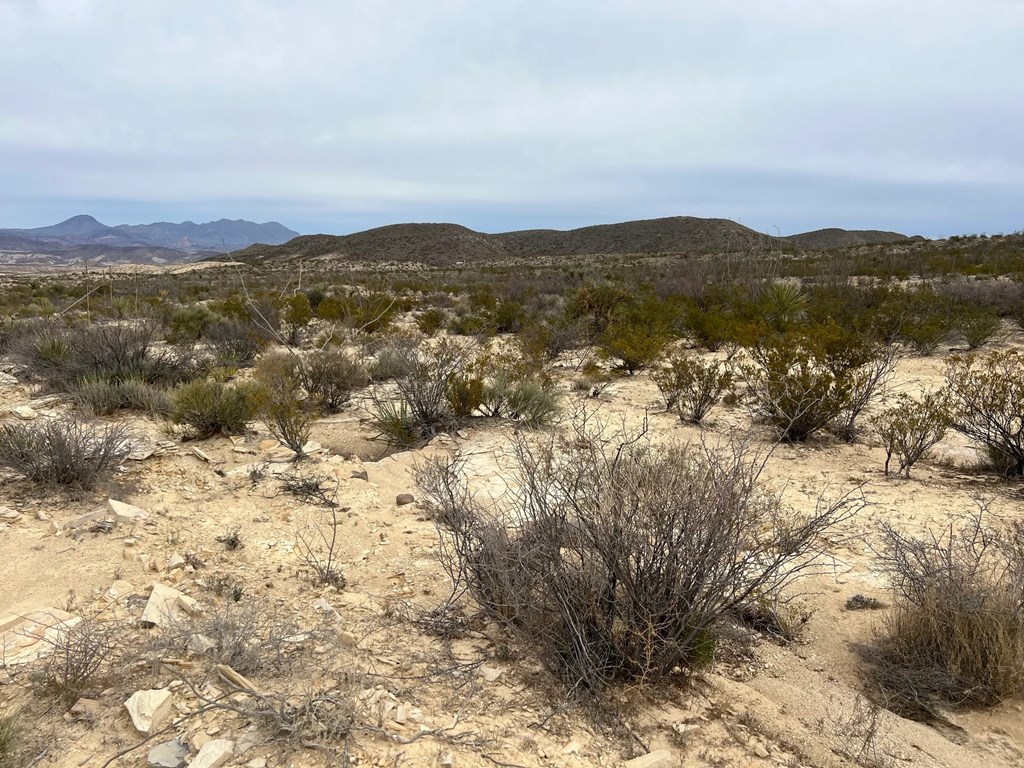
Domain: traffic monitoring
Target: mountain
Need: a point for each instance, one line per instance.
(445, 244)
(82, 238)
(825, 239)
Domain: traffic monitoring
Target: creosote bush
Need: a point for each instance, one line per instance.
(691, 386)
(65, 452)
(910, 429)
(330, 376)
(614, 561)
(209, 407)
(955, 633)
(986, 403)
(288, 416)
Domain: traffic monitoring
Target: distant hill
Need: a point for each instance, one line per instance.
(825, 239)
(443, 244)
(83, 238)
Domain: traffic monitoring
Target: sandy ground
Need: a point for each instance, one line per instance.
(477, 702)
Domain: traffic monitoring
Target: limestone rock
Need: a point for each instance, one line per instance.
(125, 514)
(27, 637)
(213, 754)
(170, 754)
(150, 709)
(84, 709)
(25, 412)
(167, 605)
(405, 498)
(119, 590)
(661, 758)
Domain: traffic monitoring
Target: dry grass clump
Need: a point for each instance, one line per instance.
(955, 633)
(64, 452)
(611, 560)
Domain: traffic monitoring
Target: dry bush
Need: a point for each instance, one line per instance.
(10, 736)
(692, 387)
(330, 376)
(394, 356)
(98, 397)
(318, 547)
(986, 400)
(206, 408)
(65, 452)
(234, 343)
(82, 659)
(612, 560)
(867, 374)
(910, 429)
(863, 734)
(955, 633)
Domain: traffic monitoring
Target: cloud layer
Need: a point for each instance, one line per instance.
(336, 116)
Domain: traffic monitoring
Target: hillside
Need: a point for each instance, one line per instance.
(824, 239)
(440, 244)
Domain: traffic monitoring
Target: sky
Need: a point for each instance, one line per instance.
(336, 116)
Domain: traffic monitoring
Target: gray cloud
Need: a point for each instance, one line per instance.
(334, 116)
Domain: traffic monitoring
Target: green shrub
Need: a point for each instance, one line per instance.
(330, 376)
(955, 632)
(234, 343)
(635, 344)
(910, 429)
(431, 320)
(187, 324)
(978, 327)
(986, 401)
(394, 357)
(65, 452)
(288, 417)
(692, 387)
(465, 395)
(210, 407)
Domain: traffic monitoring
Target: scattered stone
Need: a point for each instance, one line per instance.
(7, 380)
(447, 760)
(200, 453)
(150, 709)
(25, 412)
(141, 454)
(257, 762)
(405, 498)
(42, 516)
(167, 605)
(119, 590)
(213, 754)
(661, 758)
(84, 709)
(175, 561)
(200, 644)
(360, 474)
(268, 445)
(125, 514)
(490, 674)
(8, 515)
(170, 754)
(34, 635)
(312, 447)
(761, 750)
(246, 742)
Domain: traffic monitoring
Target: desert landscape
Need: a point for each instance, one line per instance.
(666, 493)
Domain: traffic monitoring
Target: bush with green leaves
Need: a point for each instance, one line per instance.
(330, 376)
(954, 635)
(615, 561)
(986, 403)
(186, 325)
(234, 343)
(910, 429)
(692, 386)
(288, 415)
(794, 390)
(65, 452)
(210, 407)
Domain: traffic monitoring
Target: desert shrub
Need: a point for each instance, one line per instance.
(783, 303)
(394, 356)
(986, 400)
(64, 452)
(531, 403)
(794, 390)
(978, 327)
(634, 344)
(465, 395)
(98, 397)
(612, 560)
(910, 429)
(296, 313)
(81, 655)
(926, 320)
(330, 376)
(691, 386)
(234, 343)
(209, 407)
(431, 320)
(10, 736)
(422, 393)
(288, 416)
(867, 373)
(955, 632)
(186, 325)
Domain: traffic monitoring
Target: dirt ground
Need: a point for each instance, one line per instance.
(474, 701)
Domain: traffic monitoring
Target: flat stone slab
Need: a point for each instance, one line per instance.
(32, 635)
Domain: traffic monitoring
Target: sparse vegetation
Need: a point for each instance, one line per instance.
(66, 452)
(209, 407)
(692, 387)
(910, 429)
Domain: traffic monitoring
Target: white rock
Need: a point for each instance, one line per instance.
(150, 709)
(24, 412)
(213, 754)
(125, 514)
(170, 754)
(661, 758)
(118, 590)
(167, 605)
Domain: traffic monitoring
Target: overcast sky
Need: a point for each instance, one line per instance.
(336, 115)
